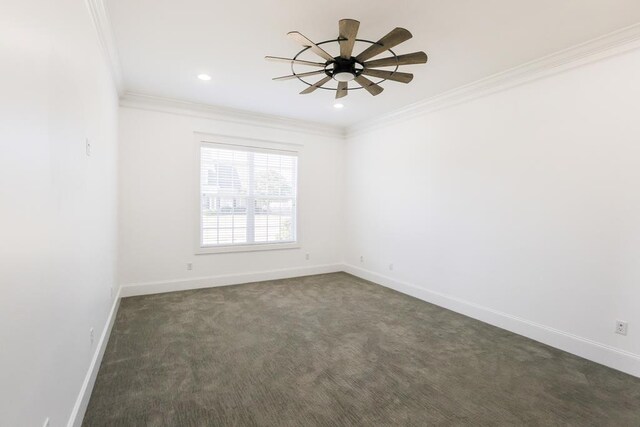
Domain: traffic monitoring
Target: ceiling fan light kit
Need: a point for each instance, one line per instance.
(345, 68)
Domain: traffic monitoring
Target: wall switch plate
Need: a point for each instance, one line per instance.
(87, 146)
(621, 327)
(361, 258)
(306, 257)
(189, 266)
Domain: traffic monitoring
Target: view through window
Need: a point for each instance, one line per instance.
(247, 195)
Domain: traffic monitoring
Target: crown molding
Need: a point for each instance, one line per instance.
(106, 39)
(206, 111)
(611, 44)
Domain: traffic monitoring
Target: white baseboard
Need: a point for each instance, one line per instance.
(597, 352)
(80, 407)
(134, 289)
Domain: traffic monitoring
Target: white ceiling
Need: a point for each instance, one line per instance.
(163, 45)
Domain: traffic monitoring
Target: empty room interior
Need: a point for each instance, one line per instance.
(292, 213)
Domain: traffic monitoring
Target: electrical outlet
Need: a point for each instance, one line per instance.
(46, 423)
(621, 327)
(87, 146)
(391, 266)
(189, 266)
(307, 257)
(91, 335)
(361, 258)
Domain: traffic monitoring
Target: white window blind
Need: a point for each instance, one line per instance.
(247, 195)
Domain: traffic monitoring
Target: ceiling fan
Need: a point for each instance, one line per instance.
(345, 68)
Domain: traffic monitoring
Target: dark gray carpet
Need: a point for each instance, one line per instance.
(336, 350)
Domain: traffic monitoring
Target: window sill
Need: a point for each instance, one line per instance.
(246, 248)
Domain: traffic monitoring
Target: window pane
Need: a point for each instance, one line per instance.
(275, 175)
(274, 220)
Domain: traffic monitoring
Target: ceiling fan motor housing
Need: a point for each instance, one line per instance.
(344, 70)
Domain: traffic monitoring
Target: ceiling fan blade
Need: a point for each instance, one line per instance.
(293, 76)
(294, 61)
(315, 86)
(368, 85)
(308, 43)
(408, 59)
(342, 89)
(394, 38)
(396, 76)
(348, 30)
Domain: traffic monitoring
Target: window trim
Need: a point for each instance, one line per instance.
(248, 144)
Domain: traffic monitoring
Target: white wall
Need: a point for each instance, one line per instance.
(58, 215)
(520, 208)
(158, 204)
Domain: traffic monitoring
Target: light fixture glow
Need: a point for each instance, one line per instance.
(205, 77)
(344, 76)
(338, 106)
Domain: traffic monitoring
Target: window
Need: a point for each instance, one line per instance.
(247, 196)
